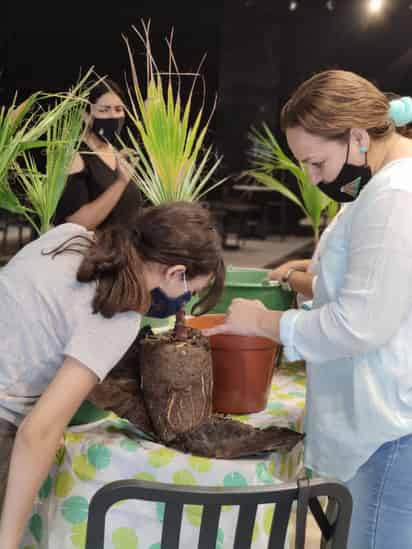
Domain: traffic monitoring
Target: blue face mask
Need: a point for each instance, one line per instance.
(163, 306)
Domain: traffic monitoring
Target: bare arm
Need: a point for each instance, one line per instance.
(92, 214)
(300, 280)
(95, 212)
(36, 443)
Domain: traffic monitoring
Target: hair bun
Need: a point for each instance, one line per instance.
(400, 111)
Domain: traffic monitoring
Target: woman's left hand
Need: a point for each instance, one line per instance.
(250, 318)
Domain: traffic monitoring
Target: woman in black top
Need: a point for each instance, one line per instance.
(97, 193)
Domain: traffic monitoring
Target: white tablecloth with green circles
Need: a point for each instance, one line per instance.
(111, 449)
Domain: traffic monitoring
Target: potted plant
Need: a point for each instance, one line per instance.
(25, 189)
(170, 163)
(268, 158)
(176, 375)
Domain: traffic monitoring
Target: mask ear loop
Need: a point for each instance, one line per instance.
(347, 153)
(347, 150)
(185, 281)
(364, 149)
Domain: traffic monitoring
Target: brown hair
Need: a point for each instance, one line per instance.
(332, 102)
(170, 234)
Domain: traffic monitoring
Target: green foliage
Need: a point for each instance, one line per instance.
(268, 157)
(169, 159)
(57, 130)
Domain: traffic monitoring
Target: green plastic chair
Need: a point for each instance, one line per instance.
(305, 492)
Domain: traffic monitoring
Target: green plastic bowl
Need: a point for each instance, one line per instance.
(158, 324)
(253, 284)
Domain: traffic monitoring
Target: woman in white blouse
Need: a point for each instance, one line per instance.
(357, 339)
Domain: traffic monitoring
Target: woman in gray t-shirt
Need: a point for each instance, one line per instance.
(71, 304)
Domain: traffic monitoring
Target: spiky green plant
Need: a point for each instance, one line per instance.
(268, 157)
(169, 159)
(24, 188)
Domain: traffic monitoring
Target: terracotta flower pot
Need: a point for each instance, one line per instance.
(242, 368)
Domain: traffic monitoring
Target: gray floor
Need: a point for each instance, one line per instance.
(251, 253)
(258, 253)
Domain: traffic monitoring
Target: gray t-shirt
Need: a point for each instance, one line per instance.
(46, 315)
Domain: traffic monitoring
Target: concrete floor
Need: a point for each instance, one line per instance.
(251, 252)
(258, 253)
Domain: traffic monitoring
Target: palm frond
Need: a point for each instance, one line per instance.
(267, 158)
(57, 129)
(170, 161)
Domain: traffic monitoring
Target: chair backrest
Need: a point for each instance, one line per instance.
(306, 493)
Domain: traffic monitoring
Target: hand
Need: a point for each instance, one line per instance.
(250, 318)
(280, 272)
(124, 169)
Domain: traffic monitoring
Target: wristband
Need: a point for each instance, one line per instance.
(285, 280)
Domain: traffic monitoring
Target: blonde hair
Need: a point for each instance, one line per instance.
(332, 102)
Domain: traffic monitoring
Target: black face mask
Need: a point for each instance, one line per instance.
(349, 182)
(108, 129)
(163, 306)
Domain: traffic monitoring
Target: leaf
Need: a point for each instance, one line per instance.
(267, 157)
(170, 161)
(29, 126)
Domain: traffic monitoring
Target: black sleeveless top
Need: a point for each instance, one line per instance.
(87, 185)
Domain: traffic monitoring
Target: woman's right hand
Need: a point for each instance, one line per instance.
(248, 317)
(124, 169)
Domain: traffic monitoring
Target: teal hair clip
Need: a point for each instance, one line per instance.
(400, 111)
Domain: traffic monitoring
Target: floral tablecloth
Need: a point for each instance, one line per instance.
(111, 449)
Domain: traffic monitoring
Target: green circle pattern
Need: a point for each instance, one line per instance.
(234, 479)
(78, 536)
(184, 478)
(129, 444)
(145, 476)
(263, 474)
(64, 484)
(194, 514)
(220, 539)
(160, 510)
(75, 509)
(161, 457)
(99, 456)
(36, 527)
(83, 468)
(125, 538)
(200, 464)
(46, 487)
(268, 518)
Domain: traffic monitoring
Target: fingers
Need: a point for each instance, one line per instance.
(221, 329)
(274, 275)
(124, 168)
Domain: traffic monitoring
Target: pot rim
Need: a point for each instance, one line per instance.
(242, 343)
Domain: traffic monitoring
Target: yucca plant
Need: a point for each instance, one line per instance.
(169, 158)
(268, 157)
(170, 163)
(24, 188)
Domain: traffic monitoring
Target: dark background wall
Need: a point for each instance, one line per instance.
(48, 43)
(257, 50)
